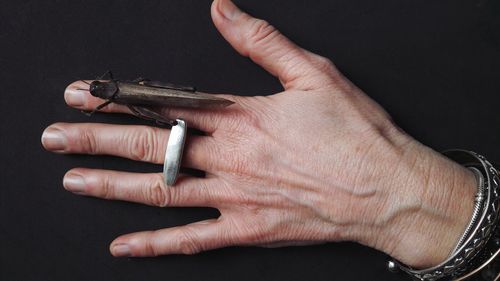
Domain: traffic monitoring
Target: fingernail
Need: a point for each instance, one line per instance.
(74, 97)
(121, 250)
(53, 139)
(74, 183)
(228, 9)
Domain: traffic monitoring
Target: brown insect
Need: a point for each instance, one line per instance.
(140, 95)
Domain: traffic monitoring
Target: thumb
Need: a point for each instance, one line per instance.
(257, 39)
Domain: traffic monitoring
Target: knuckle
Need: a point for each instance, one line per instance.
(188, 244)
(88, 141)
(107, 189)
(143, 145)
(234, 160)
(261, 32)
(157, 193)
(150, 245)
(324, 64)
(252, 234)
(328, 72)
(241, 165)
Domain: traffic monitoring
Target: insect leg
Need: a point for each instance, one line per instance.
(102, 105)
(99, 107)
(148, 114)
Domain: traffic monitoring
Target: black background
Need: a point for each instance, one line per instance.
(434, 65)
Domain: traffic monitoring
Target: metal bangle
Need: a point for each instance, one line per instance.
(478, 204)
(487, 265)
(470, 249)
(173, 153)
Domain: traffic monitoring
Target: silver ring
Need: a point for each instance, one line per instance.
(173, 153)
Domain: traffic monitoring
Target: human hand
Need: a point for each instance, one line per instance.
(317, 162)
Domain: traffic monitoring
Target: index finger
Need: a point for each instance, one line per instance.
(77, 95)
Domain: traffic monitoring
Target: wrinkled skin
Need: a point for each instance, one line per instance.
(317, 162)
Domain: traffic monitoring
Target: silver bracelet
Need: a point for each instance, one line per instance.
(488, 269)
(478, 204)
(480, 230)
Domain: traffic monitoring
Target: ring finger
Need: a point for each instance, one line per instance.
(141, 143)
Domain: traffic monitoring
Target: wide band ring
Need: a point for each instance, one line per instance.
(173, 153)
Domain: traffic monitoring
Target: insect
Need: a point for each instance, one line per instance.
(140, 95)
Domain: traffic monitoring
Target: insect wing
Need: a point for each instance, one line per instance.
(136, 94)
(159, 84)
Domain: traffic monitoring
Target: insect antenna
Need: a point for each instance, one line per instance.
(85, 82)
(107, 73)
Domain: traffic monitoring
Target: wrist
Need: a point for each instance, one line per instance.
(430, 208)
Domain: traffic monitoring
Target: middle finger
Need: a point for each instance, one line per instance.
(141, 143)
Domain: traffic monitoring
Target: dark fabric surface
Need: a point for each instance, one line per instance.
(434, 65)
